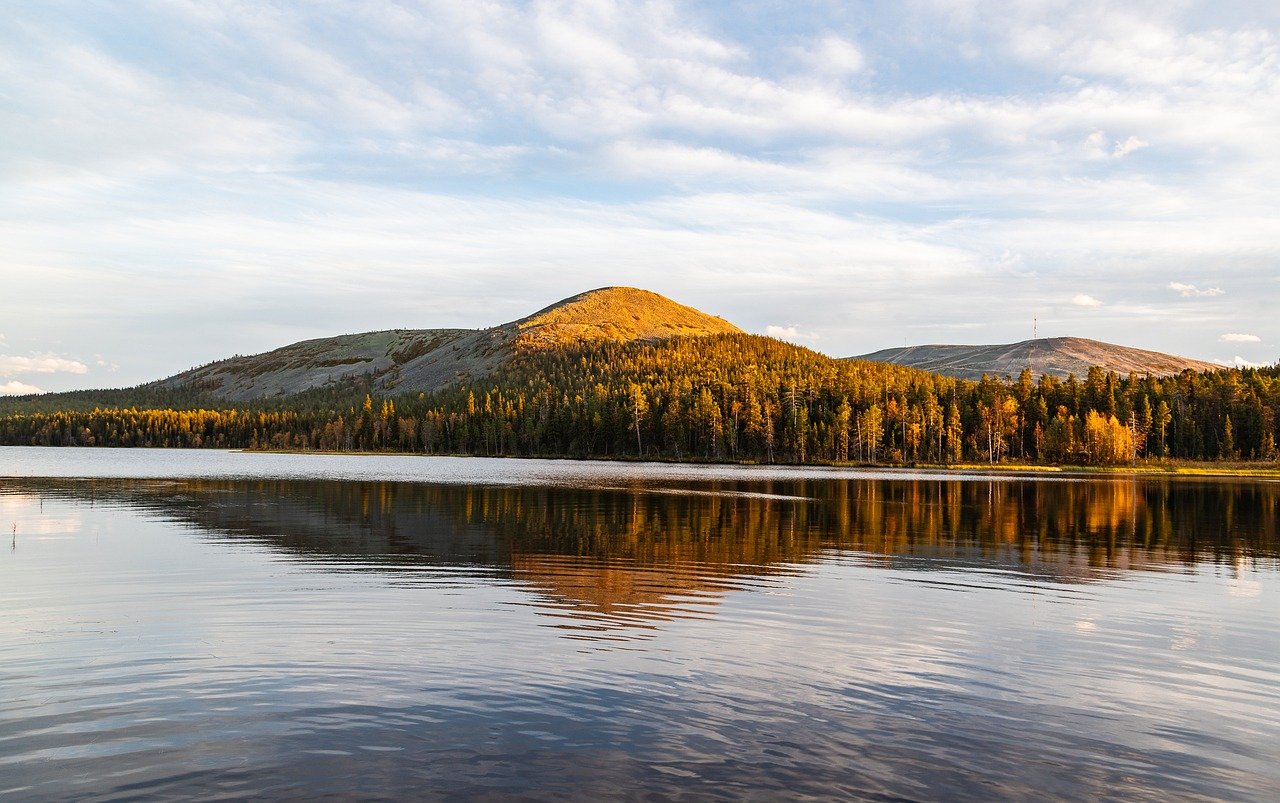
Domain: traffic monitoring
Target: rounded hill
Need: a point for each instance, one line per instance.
(1056, 356)
(616, 314)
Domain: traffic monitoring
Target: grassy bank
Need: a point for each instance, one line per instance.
(1186, 468)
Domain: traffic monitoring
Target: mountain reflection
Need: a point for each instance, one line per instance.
(605, 559)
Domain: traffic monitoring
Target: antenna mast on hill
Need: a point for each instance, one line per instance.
(1031, 352)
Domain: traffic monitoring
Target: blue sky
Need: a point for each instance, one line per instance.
(184, 181)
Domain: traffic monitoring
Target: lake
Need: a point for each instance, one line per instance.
(218, 624)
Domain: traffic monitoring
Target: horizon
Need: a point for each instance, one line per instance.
(189, 182)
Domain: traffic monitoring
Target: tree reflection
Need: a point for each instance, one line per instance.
(630, 557)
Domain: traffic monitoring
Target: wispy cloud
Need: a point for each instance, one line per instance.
(1083, 300)
(47, 364)
(1127, 147)
(297, 168)
(790, 333)
(1098, 146)
(1236, 337)
(833, 55)
(1191, 291)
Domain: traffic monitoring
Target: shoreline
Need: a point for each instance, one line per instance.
(1148, 469)
(1151, 469)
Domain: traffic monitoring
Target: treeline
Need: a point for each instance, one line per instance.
(730, 397)
(152, 397)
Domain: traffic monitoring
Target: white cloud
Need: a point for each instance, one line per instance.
(16, 388)
(47, 364)
(1098, 146)
(1140, 47)
(1082, 300)
(791, 333)
(1191, 291)
(1127, 147)
(435, 151)
(832, 55)
(1235, 337)
(1095, 145)
(1241, 362)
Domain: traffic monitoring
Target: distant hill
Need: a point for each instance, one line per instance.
(426, 360)
(1056, 356)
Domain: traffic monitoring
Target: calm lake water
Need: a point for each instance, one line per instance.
(214, 624)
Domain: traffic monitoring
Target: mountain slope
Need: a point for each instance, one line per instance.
(619, 314)
(313, 364)
(413, 360)
(1056, 356)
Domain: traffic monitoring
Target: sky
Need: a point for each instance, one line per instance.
(184, 181)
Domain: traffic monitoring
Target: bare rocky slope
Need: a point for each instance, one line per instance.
(411, 360)
(1056, 356)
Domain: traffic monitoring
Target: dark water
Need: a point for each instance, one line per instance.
(498, 629)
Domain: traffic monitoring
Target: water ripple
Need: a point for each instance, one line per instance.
(363, 640)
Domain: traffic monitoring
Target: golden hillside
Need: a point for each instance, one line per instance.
(615, 314)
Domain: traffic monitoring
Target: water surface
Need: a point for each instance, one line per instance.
(219, 625)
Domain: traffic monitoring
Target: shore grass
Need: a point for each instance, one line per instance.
(1154, 468)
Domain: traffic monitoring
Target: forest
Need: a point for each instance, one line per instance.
(731, 397)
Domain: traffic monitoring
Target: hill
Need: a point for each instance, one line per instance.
(427, 360)
(619, 372)
(1055, 356)
(719, 397)
(616, 314)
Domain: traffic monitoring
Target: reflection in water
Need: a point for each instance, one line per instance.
(830, 638)
(605, 559)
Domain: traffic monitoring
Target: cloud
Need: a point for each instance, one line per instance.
(1241, 362)
(834, 56)
(415, 156)
(1235, 337)
(16, 388)
(1191, 291)
(1082, 300)
(790, 333)
(1098, 146)
(1127, 147)
(48, 364)
(1095, 145)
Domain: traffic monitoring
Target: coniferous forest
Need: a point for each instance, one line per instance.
(730, 397)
